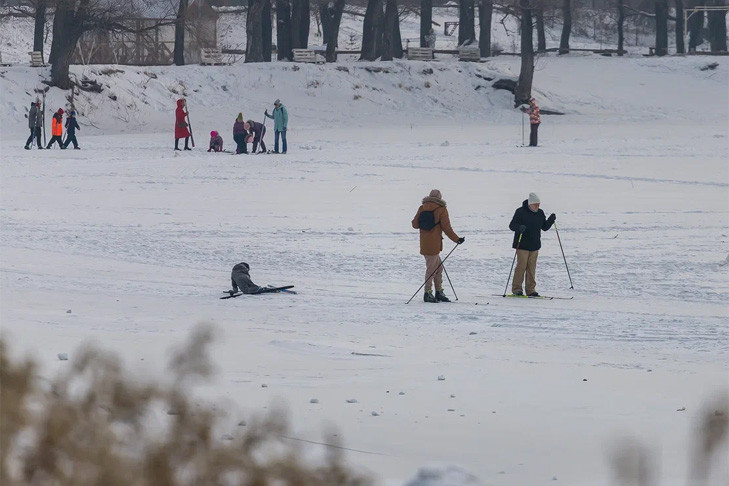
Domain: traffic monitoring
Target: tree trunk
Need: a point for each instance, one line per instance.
(372, 29)
(283, 30)
(254, 31)
(696, 27)
(661, 7)
(426, 20)
(67, 22)
(717, 28)
(466, 23)
(564, 41)
(621, 22)
(300, 24)
(680, 46)
(524, 88)
(391, 40)
(178, 55)
(331, 16)
(485, 12)
(266, 32)
(40, 24)
(541, 38)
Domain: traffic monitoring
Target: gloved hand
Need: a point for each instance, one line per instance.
(522, 228)
(266, 113)
(461, 240)
(552, 218)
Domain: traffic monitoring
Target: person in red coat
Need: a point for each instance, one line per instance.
(181, 130)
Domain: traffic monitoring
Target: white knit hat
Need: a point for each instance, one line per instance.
(436, 193)
(533, 198)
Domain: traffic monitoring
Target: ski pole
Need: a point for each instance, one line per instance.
(512, 264)
(451, 283)
(563, 257)
(522, 128)
(192, 137)
(429, 276)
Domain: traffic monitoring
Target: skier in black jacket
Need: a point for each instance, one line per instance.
(257, 131)
(241, 279)
(71, 127)
(528, 223)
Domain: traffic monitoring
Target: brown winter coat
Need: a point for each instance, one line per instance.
(431, 242)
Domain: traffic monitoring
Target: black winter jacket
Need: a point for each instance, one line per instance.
(535, 223)
(241, 279)
(71, 125)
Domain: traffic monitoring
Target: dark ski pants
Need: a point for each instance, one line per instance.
(283, 140)
(257, 141)
(34, 132)
(177, 142)
(71, 139)
(533, 135)
(240, 142)
(55, 138)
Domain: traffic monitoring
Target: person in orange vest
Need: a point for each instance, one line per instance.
(57, 129)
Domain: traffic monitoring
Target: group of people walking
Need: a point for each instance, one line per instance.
(244, 131)
(35, 123)
(528, 222)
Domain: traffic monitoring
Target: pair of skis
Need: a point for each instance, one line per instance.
(262, 290)
(545, 297)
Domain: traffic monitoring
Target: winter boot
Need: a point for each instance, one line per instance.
(440, 296)
(518, 292)
(534, 294)
(428, 297)
(26, 147)
(177, 144)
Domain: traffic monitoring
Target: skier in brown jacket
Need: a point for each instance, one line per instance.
(432, 220)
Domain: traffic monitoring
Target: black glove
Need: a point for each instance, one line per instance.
(461, 240)
(266, 113)
(522, 228)
(552, 218)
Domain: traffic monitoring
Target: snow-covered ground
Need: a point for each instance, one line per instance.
(137, 242)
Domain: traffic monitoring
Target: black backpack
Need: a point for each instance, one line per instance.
(426, 220)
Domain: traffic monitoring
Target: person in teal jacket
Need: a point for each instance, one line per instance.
(280, 122)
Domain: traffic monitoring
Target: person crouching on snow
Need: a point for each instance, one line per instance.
(258, 131)
(241, 279)
(216, 142)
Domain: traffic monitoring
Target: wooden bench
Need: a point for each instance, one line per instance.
(211, 56)
(307, 55)
(36, 59)
(469, 53)
(420, 53)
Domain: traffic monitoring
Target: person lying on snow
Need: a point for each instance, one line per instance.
(216, 142)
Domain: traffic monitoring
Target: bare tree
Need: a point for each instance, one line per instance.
(524, 87)
(680, 47)
(466, 23)
(717, 27)
(564, 41)
(391, 39)
(621, 22)
(73, 18)
(426, 20)
(485, 13)
(283, 29)
(696, 27)
(178, 54)
(331, 17)
(372, 29)
(300, 13)
(40, 25)
(254, 31)
(266, 31)
(541, 37)
(661, 10)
